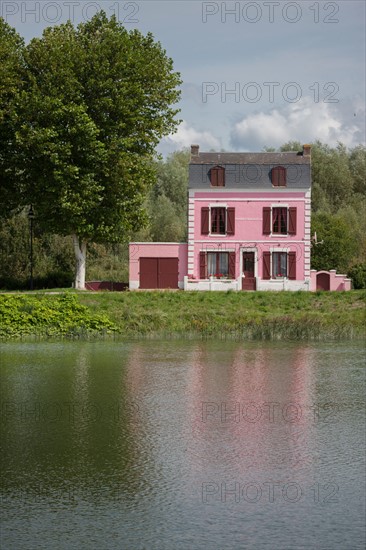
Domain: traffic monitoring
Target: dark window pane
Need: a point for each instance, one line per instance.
(279, 220)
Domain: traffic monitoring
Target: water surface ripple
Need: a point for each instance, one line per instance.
(182, 446)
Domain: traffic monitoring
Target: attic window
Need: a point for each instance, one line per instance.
(217, 176)
(278, 176)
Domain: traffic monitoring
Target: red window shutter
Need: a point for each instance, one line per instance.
(232, 265)
(221, 177)
(266, 220)
(203, 265)
(230, 230)
(292, 265)
(214, 177)
(266, 265)
(204, 220)
(275, 177)
(282, 176)
(217, 176)
(278, 176)
(292, 214)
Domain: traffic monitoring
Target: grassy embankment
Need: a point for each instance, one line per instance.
(254, 315)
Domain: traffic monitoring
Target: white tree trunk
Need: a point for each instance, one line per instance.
(80, 256)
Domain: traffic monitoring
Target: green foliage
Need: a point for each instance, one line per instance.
(291, 146)
(82, 111)
(339, 246)
(357, 164)
(358, 275)
(338, 201)
(167, 202)
(108, 262)
(165, 224)
(93, 111)
(53, 279)
(11, 46)
(49, 316)
(11, 72)
(259, 315)
(331, 175)
(342, 228)
(52, 256)
(172, 180)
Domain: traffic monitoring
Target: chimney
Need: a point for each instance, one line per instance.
(306, 150)
(195, 149)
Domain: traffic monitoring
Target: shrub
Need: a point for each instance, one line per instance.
(358, 275)
(61, 315)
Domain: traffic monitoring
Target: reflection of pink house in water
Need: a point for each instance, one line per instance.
(257, 411)
(248, 228)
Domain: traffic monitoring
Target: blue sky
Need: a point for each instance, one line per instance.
(255, 74)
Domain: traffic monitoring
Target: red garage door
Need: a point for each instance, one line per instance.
(158, 272)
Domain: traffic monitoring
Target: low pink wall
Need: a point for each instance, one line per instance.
(337, 281)
(158, 250)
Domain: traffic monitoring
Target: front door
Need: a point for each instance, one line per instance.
(248, 279)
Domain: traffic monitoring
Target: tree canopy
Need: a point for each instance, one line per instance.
(95, 102)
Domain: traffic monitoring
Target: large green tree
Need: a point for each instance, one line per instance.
(97, 101)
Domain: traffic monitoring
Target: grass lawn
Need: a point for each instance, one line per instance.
(242, 315)
(269, 315)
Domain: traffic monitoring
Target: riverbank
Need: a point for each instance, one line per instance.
(219, 315)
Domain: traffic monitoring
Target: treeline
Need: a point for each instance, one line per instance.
(338, 210)
(53, 256)
(338, 219)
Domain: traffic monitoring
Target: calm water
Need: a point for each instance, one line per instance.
(182, 445)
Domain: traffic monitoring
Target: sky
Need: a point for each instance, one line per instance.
(255, 74)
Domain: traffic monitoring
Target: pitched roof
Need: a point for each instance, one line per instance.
(291, 157)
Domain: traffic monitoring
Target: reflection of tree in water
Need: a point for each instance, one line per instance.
(76, 436)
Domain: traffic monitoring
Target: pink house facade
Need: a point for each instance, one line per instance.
(248, 228)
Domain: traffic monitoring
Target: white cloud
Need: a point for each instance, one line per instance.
(186, 136)
(304, 121)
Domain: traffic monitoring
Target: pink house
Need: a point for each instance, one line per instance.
(248, 228)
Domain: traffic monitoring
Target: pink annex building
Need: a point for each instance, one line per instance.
(248, 228)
